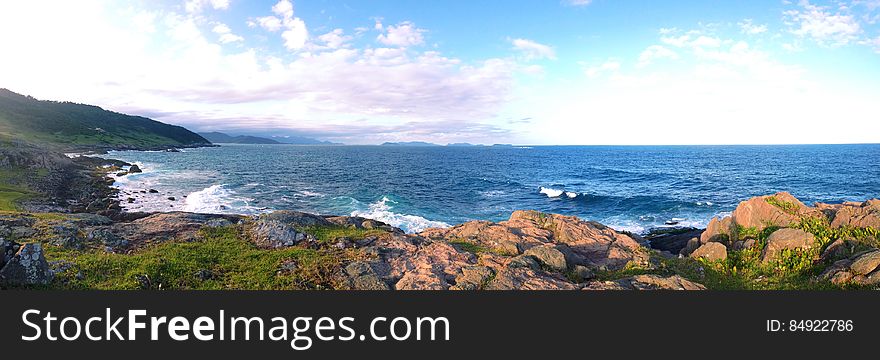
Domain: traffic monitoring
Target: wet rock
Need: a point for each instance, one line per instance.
(787, 239)
(172, 198)
(711, 251)
(27, 267)
(134, 169)
(153, 191)
(672, 240)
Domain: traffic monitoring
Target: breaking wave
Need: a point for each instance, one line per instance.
(381, 211)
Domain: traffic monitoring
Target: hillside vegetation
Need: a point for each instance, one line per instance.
(66, 125)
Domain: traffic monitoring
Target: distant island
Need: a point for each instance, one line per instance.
(409, 143)
(222, 138)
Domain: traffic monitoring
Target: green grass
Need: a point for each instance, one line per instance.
(11, 195)
(233, 262)
(327, 234)
(786, 206)
(468, 246)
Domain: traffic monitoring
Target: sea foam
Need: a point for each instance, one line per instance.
(217, 199)
(381, 211)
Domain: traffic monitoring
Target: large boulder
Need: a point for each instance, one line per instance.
(549, 257)
(27, 267)
(787, 239)
(866, 263)
(284, 228)
(710, 251)
(647, 282)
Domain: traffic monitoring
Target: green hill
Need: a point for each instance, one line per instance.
(76, 126)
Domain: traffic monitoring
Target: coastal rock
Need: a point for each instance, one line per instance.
(524, 278)
(672, 240)
(866, 263)
(548, 256)
(853, 214)
(7, 251)
(27, 267)
(360, 276)
(134, 169)
(647, 282)
(435, 266)
(781, 209)
(362, 223)
(284, 228)
(591, 244)
(718, 230)
(162, 227)
(473, 278)
(787, 239)
(711, 251)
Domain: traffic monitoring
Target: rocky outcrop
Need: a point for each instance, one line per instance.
(23, 265)
(853, 214)
(781, 210)
(860, 269)
(674, 240)
(584, 243)
(284, 228)
(162, 227)
(647, 282)
(787, 239)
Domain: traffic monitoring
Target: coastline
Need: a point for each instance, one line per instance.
(823, 247)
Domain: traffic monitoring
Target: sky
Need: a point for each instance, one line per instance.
(552, 72)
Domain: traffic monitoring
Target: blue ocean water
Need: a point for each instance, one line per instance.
(632, 188)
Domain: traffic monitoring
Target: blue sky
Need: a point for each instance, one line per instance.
(527, 72)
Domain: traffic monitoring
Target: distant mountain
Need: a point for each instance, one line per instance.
(409, 143)
(221, 138)
(461, 144)
(299, 140)
(77, 126)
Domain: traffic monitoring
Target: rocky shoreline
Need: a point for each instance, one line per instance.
(80, 238)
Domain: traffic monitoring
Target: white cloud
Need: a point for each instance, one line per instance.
(180, 75)
(578, 2)
(748, 27)
(655, 52)
(225, 33)
(283, 8)
(295, 34)
(609, 66)
(194, 6)
(270, 23)
(533, 50)
(404, 34)
(334, 39)
(822, 25)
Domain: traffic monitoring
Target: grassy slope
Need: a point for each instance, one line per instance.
(69, 125)
(234, 263)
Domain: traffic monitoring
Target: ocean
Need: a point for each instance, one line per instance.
(632, 188)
